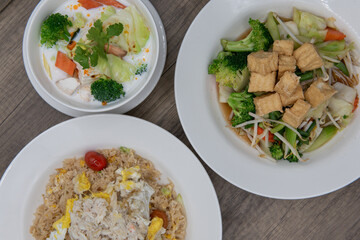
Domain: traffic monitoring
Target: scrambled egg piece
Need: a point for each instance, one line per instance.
(129, 173)
(81, 183)
(63, 223)
(103, 195)
(154, 227)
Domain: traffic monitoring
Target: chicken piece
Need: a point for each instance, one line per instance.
(267, 103)
(68, 85)
(295, 115)
(286, 63)
(284, 47)
(263, 62)
(287, 84)
(288, 100)
(115, 50)
(307, 57)
(262, 83)
(318, 92)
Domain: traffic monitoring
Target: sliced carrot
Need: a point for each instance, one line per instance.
(356, 103)
(271, 135)
(112, 3)
(89, 4)
(64, 63)
(333, 34)
(71, 45)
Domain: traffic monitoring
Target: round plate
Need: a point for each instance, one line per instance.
(329, 168)
(135, 101)
(24, 181)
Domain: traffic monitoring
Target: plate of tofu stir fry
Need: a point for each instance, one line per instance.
(288, 84)
(282, 85)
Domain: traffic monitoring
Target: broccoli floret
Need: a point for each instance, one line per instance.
(107, 90)
(292, 158)
(143, 68)
(54, 28)
(276, 151)
(241, 103)
(258, 39)
(230, 70)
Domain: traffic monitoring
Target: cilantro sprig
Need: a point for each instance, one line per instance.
(88, 54)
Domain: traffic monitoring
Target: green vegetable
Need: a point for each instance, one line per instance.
(120, 70)
(242, 103)
(180, 199)
(258, 39)
(79, 21)
(230, 70)
(313, 124)
(276, 115)
(342, 68)
(290, 136)
(326, 134)
(339, 107)
(91, 52)
(54, 28)
(309, 25)
(165, 191)
(125, 149)
(277, 128)
(306, 76)
(272, 26)
(334, 49)
(141, 69)
(108, 12)
(276, 151)
(304, 134)
(106, 90)
(142, 33)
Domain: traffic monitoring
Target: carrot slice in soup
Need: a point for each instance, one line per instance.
(333, 34)
(64, 63)
(112, 3)
(89, 4)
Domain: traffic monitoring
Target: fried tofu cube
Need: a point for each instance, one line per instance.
(268, 103)
(290, 99)
(319, 92)
(307, 57)
(262, 83)
(286, 63)
(263, 62)
(295, 115)
(284, 47)
(287, 84)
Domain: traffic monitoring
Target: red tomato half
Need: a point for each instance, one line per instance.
(95, 161)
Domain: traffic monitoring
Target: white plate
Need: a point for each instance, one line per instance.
(25, 179)
(330, 168)
(60, 103)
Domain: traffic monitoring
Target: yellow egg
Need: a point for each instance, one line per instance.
(81, 183)
(64, 221)
(154, 227)
(101, 195)
(128, 172)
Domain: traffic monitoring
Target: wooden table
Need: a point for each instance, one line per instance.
(24, 115)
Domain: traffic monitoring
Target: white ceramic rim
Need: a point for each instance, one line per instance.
(152, 142)
(204, 124)
(122, 106)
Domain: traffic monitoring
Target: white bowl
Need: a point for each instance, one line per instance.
(48, 91)
(331, 167)
(24, 181)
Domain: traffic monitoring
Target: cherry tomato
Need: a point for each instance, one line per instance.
(95, 161)
(160, 214)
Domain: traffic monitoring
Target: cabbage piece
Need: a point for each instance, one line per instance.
(224, 93)
(339, 107)
(310, 25)
(120, 70)
(103, 66)
(135, 34)
(345, 92)
(318, 111)
(109, 11)
(79, 20)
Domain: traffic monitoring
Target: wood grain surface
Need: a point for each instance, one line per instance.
(24, 115)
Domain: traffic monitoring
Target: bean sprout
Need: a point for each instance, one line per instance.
(287, 29)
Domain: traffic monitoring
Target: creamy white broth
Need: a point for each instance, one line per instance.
(70, 8)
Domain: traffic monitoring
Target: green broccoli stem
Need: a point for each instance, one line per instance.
(237, 46)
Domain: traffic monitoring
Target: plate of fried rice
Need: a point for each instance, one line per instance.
(107, 177)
